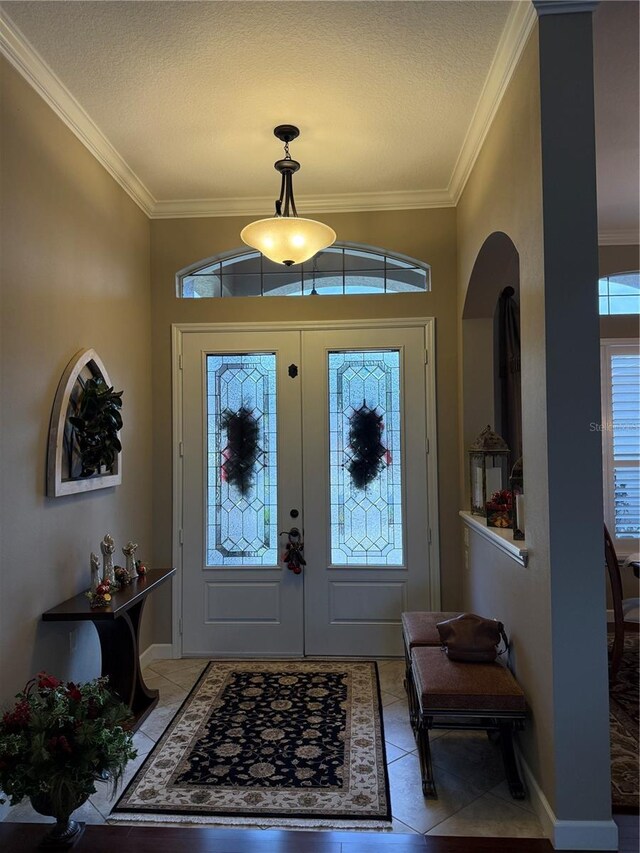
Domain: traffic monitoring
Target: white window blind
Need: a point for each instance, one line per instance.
(621, 440)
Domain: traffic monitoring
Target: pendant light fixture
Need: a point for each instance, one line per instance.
(287, 238)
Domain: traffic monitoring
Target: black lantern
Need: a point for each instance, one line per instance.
(516, 481)
(488, 459)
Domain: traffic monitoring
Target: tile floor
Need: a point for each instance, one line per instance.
(473, 798)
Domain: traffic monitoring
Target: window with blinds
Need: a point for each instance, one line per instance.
(621, 440)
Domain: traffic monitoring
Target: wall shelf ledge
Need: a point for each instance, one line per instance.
(501, 539)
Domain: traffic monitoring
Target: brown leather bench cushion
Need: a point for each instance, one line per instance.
(442, 684)
(419, 627)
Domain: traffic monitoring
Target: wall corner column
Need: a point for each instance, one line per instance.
(582, 797)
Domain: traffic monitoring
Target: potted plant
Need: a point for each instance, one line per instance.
(96, 424)
(56, 741)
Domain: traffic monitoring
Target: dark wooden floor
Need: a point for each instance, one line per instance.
(24, 837)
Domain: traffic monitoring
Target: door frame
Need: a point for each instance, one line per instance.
(179, 330)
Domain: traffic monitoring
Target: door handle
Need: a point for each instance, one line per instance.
(293, 550)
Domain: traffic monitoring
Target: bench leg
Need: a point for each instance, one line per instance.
(424, 753)
(508, 756)
(413, 703)
(411, 696)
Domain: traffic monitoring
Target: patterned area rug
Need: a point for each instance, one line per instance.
(624, 719)
(270, 743)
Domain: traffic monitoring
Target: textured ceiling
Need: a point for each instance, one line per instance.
(188, 93)
(391, 97)
(616, 27)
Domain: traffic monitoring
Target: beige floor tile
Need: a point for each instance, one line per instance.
(393, 752)
(387, 698)
(491, 817)
(502, 791)
(470, 755)
(158, 720)
(392, 678)
(186, 678)
(170, 692)
(164, 667)
(398, 826)
(397, 728)
(421, 813)
(142, 743)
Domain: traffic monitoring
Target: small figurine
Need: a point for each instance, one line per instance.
(107, 546)
(129, 551)
(94, 561)
(141, 568)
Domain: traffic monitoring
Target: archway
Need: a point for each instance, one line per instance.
(495, 277)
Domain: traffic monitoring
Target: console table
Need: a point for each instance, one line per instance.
(118, 627)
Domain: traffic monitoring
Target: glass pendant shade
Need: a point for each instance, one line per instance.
(288, 239)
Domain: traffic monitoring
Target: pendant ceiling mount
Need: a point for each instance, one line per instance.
(287, 238)
(286, 132)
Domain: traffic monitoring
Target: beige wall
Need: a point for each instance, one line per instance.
(504, 194)
(75, 274)
(428, 235)
(615, 259)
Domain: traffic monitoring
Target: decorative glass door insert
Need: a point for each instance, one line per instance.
(365, 458)
(242, 474)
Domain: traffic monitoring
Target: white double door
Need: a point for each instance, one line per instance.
(323, 431)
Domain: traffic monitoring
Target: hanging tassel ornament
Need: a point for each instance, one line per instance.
(242, 452)
(368, 454)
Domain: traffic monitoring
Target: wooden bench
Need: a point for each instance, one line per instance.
(453, 695)
(418, 629)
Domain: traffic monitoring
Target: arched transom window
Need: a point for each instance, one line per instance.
(344, 268)
(620, 293)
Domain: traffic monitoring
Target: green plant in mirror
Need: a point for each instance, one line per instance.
(96, 423)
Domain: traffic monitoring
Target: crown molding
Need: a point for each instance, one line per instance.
(563, 7)
(517, 29)
(20, 53)
(263, 205)
(620, 237)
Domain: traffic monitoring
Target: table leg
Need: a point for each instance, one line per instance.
(119, 644)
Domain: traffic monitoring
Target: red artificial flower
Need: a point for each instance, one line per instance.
(47, 682)
(501, 499)
(19, 717)
(73, 692)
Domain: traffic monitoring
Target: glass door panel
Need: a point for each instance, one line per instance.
(242, 469)
(365, 458)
